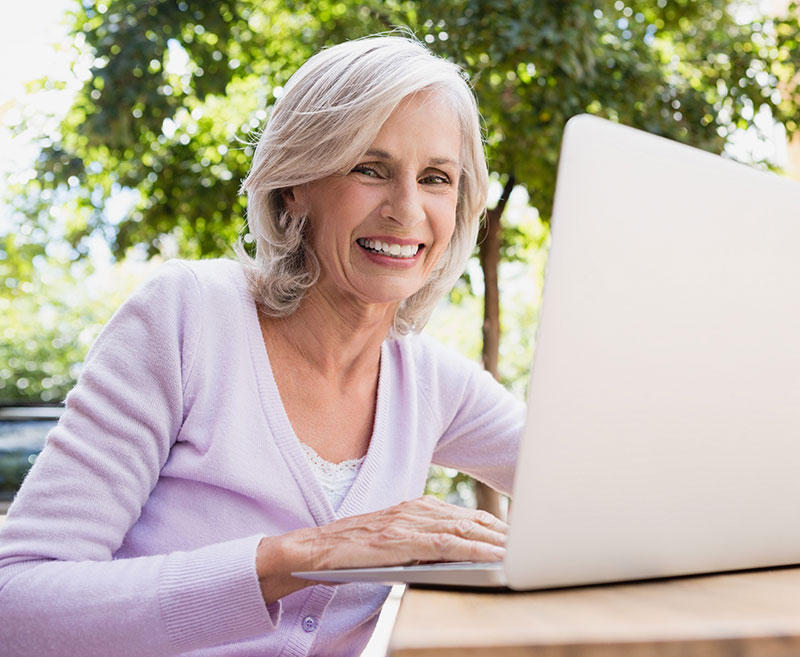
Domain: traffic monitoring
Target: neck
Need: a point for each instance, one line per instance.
(338, 341)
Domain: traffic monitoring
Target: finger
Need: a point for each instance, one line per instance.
(480, 517)
(489, 521)
(449, 547)
(470, 529)
(465, 527)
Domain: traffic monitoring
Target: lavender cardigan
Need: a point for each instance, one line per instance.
(135, 532)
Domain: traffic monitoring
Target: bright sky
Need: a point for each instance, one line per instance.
(28, 30)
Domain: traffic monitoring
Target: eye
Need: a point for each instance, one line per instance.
(366, 170)
(435, 179)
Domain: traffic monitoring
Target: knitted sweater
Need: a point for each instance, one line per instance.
(135, 532)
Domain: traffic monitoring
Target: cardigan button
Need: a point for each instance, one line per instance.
(309, 624)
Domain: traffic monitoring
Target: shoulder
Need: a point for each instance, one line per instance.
(442, 375)
(176, 313)
(197, 282)
(429, 355)
(179, 295)
(204, 274)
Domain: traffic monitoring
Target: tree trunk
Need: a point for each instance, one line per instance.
(489, 252)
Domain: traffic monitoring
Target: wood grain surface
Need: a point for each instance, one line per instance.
(734, 614)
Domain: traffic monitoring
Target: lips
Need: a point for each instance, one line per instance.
(390, 249)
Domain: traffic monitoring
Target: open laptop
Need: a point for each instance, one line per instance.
(663, 429)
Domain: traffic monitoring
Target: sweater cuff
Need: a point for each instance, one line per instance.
(211, 595)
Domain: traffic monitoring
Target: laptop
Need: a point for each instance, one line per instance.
(663, 427)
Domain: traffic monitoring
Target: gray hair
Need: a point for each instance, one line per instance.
(330, 113)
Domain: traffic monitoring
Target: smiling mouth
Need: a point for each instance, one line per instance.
(389, 249)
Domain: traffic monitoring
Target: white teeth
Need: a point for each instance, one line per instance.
(394, 250)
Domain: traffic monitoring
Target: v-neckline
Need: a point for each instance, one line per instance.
(289, 444)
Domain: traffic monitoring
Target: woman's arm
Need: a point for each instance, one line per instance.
(481, 421)
(61, 590)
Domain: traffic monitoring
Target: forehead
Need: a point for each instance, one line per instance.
(423, 123)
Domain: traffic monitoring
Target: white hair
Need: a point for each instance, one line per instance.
(330, 113)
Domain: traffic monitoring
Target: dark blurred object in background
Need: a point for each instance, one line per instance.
(23, 429)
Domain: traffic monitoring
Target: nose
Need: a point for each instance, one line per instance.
(404, 204)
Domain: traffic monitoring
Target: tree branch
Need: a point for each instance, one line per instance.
(489, 251)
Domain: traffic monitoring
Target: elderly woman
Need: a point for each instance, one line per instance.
(238, 421)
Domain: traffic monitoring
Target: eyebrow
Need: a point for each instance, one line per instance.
(383, 155)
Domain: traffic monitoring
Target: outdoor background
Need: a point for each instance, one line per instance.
(127, 126)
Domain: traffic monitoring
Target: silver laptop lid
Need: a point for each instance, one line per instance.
(663, 434)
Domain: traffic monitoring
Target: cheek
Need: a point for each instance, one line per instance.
(445, 221)
(329, 221)
(443, 234)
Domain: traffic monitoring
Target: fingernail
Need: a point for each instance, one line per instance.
(499, 551)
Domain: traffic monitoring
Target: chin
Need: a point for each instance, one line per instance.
(375, 290)
(389, 296)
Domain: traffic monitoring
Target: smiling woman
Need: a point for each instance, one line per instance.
(329, 119)
(240, 421)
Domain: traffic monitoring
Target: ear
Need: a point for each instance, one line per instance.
(291, 199)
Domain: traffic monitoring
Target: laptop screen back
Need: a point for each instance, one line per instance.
(663, 435)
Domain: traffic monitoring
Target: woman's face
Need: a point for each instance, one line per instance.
(379, 229)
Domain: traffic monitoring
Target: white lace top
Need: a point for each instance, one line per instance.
(335, 478)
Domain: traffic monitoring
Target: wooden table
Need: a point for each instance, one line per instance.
(732, 615)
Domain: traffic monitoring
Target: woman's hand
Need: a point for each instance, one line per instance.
(425, 529)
